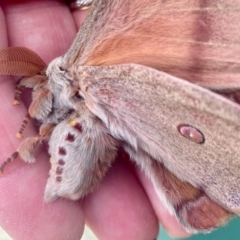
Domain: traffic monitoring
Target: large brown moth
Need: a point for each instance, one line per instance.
(158, 78)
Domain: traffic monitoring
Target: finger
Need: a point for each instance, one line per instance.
(119, 208)
(22, 210)
(40, 25)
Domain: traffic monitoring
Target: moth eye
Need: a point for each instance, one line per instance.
(191, 133)
(61, 69)
(78, 97)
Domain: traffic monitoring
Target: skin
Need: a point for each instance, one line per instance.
(125, 206)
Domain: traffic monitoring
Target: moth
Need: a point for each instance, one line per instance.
(159, 78)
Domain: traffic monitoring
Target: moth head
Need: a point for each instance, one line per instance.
(61, 83)
(54, 99)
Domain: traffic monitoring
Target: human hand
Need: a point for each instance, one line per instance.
(125, 206)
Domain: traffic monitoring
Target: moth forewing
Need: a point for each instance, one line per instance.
(151, 125)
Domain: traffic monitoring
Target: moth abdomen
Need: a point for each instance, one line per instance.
(82, 151)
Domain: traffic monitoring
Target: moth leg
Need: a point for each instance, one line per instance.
(192, 207)
(10, 159)
(27, 147)
(82, 151)
(42, 104)
(23, 126)
(26, 82)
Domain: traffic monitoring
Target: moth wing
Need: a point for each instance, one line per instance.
(194, 40)
(145, 107)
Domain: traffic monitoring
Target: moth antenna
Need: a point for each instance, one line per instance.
(23, 126)
(10, 159)
(20, 61)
